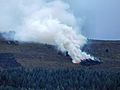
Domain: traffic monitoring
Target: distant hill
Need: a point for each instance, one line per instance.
(45, 56)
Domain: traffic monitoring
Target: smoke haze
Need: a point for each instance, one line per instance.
(48, 22)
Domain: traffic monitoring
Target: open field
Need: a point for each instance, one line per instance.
(45, 56)
(30, 66)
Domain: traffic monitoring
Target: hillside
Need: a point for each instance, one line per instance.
(14, 54)
(32, 66)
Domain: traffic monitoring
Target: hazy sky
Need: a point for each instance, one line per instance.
(102, 17)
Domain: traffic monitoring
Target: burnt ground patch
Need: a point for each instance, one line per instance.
(89, 62)
(7, 60)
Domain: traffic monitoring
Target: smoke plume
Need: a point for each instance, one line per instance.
(48, 22)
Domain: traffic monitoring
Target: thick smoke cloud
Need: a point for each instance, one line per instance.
(47, 22)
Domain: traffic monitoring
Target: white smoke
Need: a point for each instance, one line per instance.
(51, 22)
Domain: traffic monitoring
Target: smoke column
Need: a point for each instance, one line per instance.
(52, 23)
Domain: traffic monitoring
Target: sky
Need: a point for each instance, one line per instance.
(101, 17)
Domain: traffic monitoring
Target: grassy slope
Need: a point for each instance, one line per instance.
(38, 55)
(56, 71)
